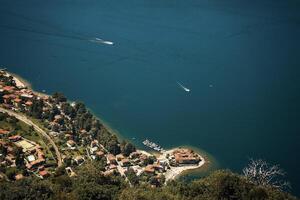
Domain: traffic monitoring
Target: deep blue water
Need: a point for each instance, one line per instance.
(248, 51)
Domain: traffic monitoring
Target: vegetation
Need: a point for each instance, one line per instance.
(91, 184)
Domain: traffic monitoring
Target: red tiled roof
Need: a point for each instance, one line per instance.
(19, 176)
(99, 153)
(2, 132)
(44, 173)
(111, 157)
(28, 103)
(14, 137)
(6, 96)
(17, 100)
(8, 88)
(149, 169)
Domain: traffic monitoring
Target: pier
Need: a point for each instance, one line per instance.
(153, 145)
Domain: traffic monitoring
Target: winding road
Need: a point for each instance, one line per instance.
(27, 121)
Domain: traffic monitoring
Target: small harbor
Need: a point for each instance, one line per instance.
(153, 146)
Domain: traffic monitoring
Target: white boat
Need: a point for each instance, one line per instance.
(184, 88)
(103, 41)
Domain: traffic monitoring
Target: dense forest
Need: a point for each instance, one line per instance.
(91, 184)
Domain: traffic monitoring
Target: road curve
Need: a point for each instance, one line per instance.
(27, 121)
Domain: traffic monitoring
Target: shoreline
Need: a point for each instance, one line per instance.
(21, 82)
(175, 172)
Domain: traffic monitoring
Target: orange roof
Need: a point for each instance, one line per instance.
(28, 103)
(6, 96)
(2, 131)
(125, 160)
(71, 142)
(111, 157)
(112, 166)
(38, 161)
(8, 88)
(17, 100)
(14, 137)
(149, 169)
(44, 173)
(19, 176)
(99, 153)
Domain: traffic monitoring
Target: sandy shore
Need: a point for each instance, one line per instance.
(20, 82)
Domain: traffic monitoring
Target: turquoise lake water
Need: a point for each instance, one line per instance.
(240, 59)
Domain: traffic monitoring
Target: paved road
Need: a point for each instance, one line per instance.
(37, 128)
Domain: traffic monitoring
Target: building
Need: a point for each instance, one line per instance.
(3, 133)
(149, 169)
(186, 156)
(71, 144)
(44, 173)
(111, 159)
(125, 162)
(15, 138)
(120, 157)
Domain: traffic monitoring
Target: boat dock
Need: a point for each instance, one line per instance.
(153, 145)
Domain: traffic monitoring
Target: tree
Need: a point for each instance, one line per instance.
(11, 172)
(19, 157)
(59, 97)
(262, 173)
(3, 150)
(132, 177)
(128, 149)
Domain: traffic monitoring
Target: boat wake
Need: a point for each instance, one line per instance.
(184, 88)
(101, 41)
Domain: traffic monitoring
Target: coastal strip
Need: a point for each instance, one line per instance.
(163, 166)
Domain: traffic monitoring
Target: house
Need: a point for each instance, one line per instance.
(3, 133)
(134, 155)
(11, 158)
(100, 154)
(26, 97)
(68, 136)
(44, 173)
(17, 102)
(125, 162)
(28, 105)
(111, 159)
(120, 157)
(185, 156)
(93, 149)
(94, 143)
(6, 99)
(112, 166)
(41, 168)
(79, 160)
(109, 172)
(149, 169)
(71, 144)
(83, 132)
(15, 138)
(31, 158)
(8, 89)
(158, 167)
(19, 177)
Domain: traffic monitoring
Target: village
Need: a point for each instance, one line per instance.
(73, 137)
